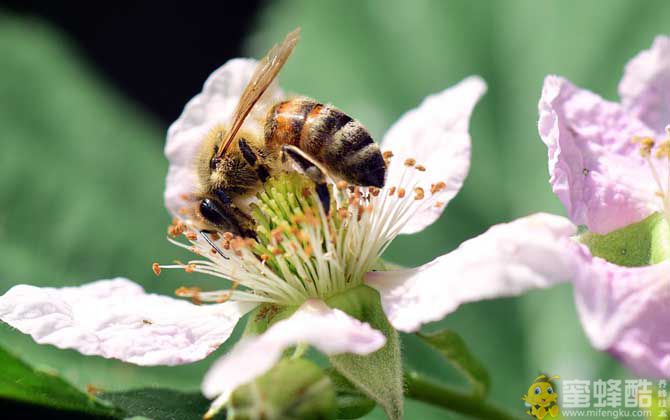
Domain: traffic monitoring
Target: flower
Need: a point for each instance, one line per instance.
(610, 167)
(302, 258)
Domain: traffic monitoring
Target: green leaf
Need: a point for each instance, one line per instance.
(454, 349)
(159, 404)
(377, 375)
(22, 383)
(643, 243)
(293, 389)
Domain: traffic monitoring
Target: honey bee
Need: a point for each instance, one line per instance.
(317, 138)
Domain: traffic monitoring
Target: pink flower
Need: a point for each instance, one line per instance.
(610, 166)
(431, 148)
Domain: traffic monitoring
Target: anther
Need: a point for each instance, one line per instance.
(437, 187)
(418, 193)
(191, 236)
(409, 162)
(387, 154)
(156, 269)
(341, 185)
(646, 144)
(401, 192)
(391, 190)
(420, 168)
(439, 204)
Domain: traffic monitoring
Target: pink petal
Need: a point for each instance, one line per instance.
(329, 330)
(625, 311)
(213, 106)
(645, 87)
(117, 319)
(436, 135)
(508, 259)
(595, 169)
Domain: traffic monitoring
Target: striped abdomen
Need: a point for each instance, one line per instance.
(330, 136)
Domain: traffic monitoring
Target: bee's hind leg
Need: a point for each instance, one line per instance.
(312, 169)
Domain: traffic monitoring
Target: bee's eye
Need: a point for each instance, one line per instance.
(537, 390)
(550, 391)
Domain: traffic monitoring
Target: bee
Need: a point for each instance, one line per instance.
(316, 138)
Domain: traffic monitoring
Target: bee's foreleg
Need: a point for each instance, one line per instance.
(313, 170)
(251, 158)
(222, 213)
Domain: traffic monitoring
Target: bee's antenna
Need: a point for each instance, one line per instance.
(203, 233)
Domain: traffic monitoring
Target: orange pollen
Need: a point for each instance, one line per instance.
(277, 251)
(184, 211)
(401, 192)
(308, 250)
(418, 193)
(191, 236)
(265, 257)
(277, 233)
(228, 236)
(437, 187)
(391, 190)
(343, 212)
(374, 191)
(156, 269)
(189, 268)
(420, 168)
(185, 197)
(214, 236)
(409, 162)
(439, 204)
(387, 154)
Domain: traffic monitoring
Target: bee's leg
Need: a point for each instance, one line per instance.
(251, 158)
(223, 214)
(312, 169)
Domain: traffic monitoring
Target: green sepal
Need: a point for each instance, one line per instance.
(293, 389)
(640, 244)
(378, 375)
(454, 349)
(351, 403)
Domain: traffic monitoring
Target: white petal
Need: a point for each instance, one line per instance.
(645, 86)
(508, 259)
(117, 319)
(436, 135)
(329, 330)
(213, 106)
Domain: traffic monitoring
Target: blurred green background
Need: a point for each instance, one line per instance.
(82, 169)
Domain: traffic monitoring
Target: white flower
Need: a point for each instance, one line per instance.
(304, 259)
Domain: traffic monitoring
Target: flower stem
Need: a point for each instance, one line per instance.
(420, 388)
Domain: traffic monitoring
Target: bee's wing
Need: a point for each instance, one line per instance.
(266, 71)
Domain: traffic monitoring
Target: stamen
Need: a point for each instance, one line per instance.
(156, 269)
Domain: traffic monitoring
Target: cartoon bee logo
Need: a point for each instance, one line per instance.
(541, 398)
